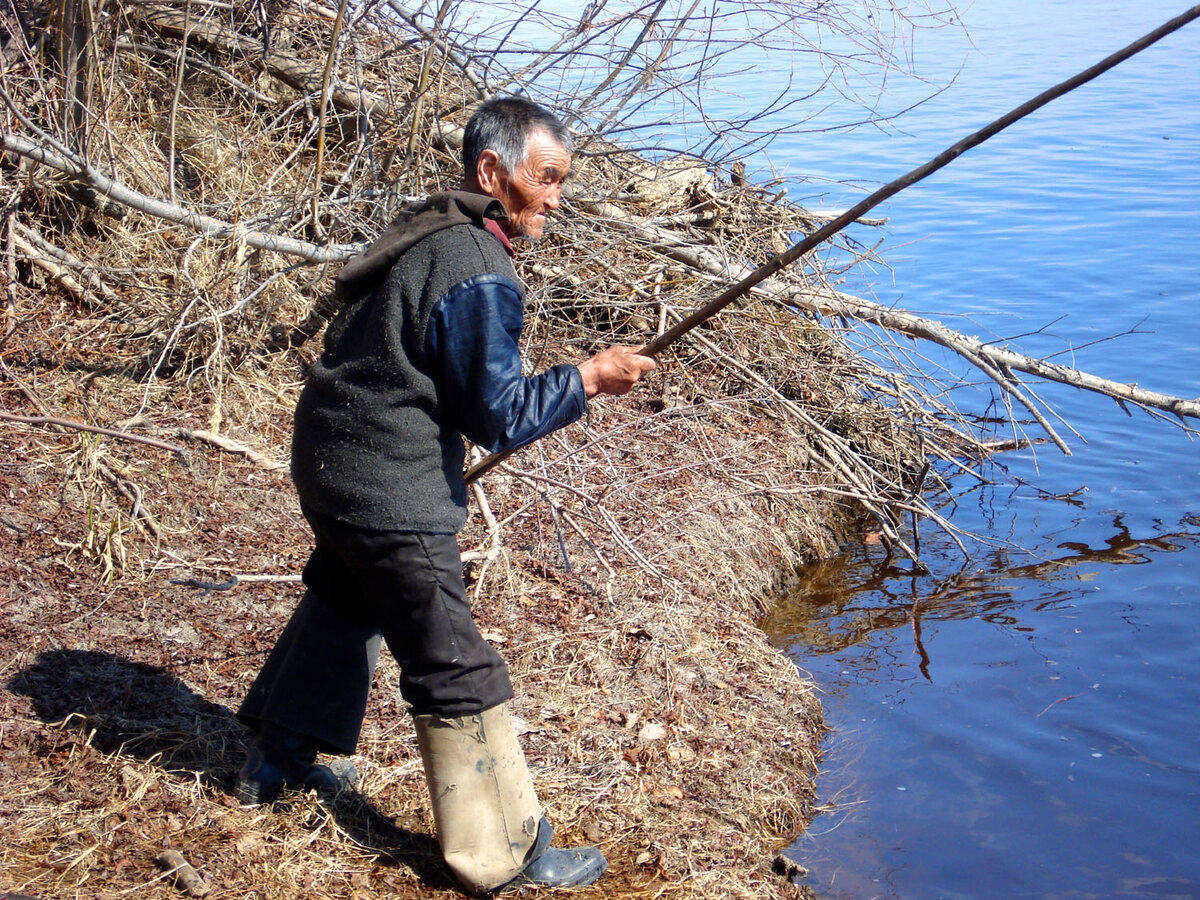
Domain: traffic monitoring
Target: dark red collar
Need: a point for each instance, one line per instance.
(494, 227)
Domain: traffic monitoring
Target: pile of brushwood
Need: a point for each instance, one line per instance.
(175, 195)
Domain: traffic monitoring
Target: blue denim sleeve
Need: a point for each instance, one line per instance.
(472, 338)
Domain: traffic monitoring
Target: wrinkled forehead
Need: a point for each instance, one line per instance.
(545, 154)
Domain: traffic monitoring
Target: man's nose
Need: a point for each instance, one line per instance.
(554, 196)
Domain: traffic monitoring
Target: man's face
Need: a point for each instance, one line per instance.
(535, 188)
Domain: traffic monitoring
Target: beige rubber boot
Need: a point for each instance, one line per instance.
(484, 804)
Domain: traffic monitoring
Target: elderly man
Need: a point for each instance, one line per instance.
(423, 352)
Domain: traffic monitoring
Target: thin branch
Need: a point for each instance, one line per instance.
(54, 421)
(323, 111)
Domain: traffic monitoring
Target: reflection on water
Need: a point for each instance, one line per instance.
(841, 602)
(1022, 725)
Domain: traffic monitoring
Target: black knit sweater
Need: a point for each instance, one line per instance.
(378, 439)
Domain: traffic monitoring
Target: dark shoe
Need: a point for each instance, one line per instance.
(278, 760)
(554, 867)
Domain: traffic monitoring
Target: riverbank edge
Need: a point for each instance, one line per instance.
(658, 720)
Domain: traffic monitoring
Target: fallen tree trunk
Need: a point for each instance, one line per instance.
(1003, 359)
(828, 302)
(114, 190)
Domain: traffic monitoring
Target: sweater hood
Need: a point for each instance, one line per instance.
(364, 272)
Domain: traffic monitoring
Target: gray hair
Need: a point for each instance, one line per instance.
(503, 125)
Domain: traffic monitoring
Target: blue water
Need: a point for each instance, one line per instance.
(1026, 722)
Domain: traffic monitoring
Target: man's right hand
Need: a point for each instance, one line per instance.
(614, 371)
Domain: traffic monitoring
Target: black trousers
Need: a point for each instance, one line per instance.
(364, 586)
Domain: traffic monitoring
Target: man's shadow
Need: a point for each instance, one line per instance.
(136, 710)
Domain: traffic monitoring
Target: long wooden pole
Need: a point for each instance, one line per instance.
(777, 263)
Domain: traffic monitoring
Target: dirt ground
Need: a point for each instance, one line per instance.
(657, 720)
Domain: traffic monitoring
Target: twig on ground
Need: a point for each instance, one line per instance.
(225, 443)
(95, 429)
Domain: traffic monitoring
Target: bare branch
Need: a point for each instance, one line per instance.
(206, 225)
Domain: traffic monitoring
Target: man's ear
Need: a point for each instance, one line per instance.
(488, 173)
